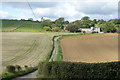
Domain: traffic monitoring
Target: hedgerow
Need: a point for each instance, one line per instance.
(69, 70)
(9, 75)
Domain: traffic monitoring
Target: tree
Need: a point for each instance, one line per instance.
(18, 67)
(72, 28)
(46, 23)
(30, 19)
(66, 22)
(85, 22)
(115, 21)
(59, 22)
(47, 28)
(11, 68)
(85, 18)
(108, 27)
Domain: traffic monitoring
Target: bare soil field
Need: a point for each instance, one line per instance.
(25, 48)
(90, 48)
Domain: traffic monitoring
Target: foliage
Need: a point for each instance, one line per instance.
(118, 30)
(56, 29)
(47, 28)
(108, 27)
(46, 23)
(9, 76)
(11, 68)
(59, 22)
(26, 67)
(18, 67)
(72, 28)
(115, 21)
(80, 70)
(84, 32)
(85, 22)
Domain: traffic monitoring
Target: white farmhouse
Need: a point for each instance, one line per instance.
(91, 30)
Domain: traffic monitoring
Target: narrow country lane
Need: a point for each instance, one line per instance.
(32, 75)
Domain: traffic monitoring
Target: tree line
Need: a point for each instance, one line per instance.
(60, 24)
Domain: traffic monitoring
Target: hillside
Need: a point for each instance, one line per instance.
(20, 26)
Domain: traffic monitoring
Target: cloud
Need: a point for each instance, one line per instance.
(25, 4)
(70, 10)
(5, 15)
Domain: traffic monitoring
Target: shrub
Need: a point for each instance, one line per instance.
(47, 28)
(84, 32)
(118, 30)
(72, 28)
(26, 67)
(18, 67)
(10, 76)
(11, 68)
(56, 29)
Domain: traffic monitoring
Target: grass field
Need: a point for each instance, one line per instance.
(30, 27)
(10, 25)
(25, 48)
(90, 48)
(21, 26)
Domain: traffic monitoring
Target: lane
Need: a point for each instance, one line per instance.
(54, 54)
(33, 74)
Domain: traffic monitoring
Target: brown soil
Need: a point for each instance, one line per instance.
(90, 48)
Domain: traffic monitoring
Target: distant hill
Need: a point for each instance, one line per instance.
(21, 26)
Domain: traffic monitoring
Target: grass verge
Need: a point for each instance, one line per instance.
(9, 76)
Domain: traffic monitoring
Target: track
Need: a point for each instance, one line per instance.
(33, 74)
(54, 54)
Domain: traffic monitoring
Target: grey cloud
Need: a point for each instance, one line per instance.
(93, 9)
(25, 4)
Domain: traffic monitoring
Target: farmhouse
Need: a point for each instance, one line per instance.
(90, 30)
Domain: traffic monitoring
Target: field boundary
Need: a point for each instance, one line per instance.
(59, 56)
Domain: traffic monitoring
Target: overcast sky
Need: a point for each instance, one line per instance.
(70, 10)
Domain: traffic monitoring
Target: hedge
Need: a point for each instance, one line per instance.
(70, 70)
(9, 76)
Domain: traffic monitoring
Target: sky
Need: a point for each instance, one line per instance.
(71, 10)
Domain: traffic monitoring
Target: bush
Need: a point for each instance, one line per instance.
(118, 30)
(10, 76)
(72, 28)
(18, 67)
(11, 68)
(26, 67)
(47, 28)
(56, 29)
(84, 32)
(108, 27)
(109, 70)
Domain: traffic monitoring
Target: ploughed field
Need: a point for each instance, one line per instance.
(90, 48)
(25, 48)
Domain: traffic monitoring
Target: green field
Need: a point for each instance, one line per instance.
(21, 26)
(10, 25)
(30, 27)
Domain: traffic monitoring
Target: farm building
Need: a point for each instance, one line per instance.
(90, 30)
